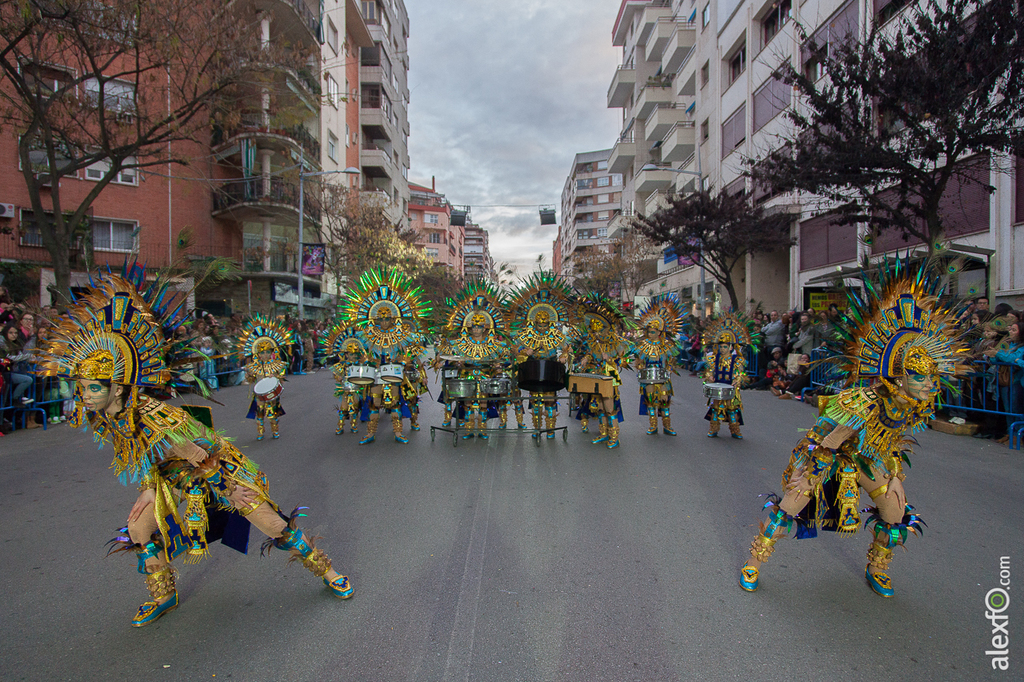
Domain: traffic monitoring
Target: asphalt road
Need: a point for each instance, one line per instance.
(500, 561)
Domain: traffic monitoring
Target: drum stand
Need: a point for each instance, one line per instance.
(539, 434)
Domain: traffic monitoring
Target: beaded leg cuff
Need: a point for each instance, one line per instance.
(317, 562)
(160, 583)
(761, 548)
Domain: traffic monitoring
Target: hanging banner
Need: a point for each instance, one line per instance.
(313, 259)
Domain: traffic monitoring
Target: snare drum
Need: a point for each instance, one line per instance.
(458, 389)
(391, 374)
(595, 384)
(652, 375)
(267, 389)
(362, 375)
(498, 386)
(719, 391)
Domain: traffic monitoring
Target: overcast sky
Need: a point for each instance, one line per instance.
(503, 94)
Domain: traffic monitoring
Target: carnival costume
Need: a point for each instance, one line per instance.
(604, 351)
(891, 351)
(389, 311)
(477, 345)
(539, 311)
(346, 347)
(661, 322)
(414, 383)
(725, 339)
(260, 344)
(115, 341)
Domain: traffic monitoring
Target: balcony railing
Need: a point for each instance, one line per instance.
(311, 20)
(252, 190)
(252, 122)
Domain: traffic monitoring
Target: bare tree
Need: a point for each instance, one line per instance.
(631, 261)
(108, 85)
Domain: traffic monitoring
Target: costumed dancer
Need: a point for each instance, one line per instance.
(725, 338)
(892, 350)
(114, 342)
(414, 382)
(476, 330)
(347, 347)
(260, 344)
(605, 352)
(539, 311)
(389, 312)
(661, 322)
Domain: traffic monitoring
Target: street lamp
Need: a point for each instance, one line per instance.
(351, 170)
(700, 188)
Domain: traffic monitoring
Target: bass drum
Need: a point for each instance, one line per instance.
(542, 376)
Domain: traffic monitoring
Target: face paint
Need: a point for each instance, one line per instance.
(920, 386)
(95, 396)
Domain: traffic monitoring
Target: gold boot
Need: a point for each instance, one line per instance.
(713, 428)
(666, 423)
(447, 416)
(259, 428)
(653, 415)
(341, 424)
(879, 557)
(551, 421)
(371, 428)
(396, 424)
(602, 430)
(520, 414)
(160, 585)
(734, 429)
(613, 433)
(353, 427)
(503, 417)
(585, 424)
(414, 420)
(273, 428)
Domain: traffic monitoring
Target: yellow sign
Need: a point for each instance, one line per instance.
(820, 301)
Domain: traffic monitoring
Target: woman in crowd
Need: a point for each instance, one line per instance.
(1011, 376)
(13, 351)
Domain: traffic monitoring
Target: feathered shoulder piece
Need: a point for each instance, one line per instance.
(544, 300)
(386, 307)
(477, 302)
(898, 325)
(665, 313)
(733, 327)
(260, 333)
(122, 330)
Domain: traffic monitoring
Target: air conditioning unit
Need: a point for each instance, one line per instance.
(6, 210)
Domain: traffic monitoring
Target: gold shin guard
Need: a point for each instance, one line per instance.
(602, 431)
(520, 414)
(260, 428)
(666, 424)
(613, 434)
(734, 428)
(161, 583)
(396, 424)
(585, 424)
(762, 547)
(317, 562)
(653, 415)
(371, 426)
(273, 427)
(879, 556)
(713, 427)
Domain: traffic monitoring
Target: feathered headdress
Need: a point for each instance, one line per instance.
(387, 309)
(261, 333)
(602, 324)
(734, 328)
(899, 326)
(542, 298)
(665, 313)
(122, 330)
(343, 338)
(477, 302)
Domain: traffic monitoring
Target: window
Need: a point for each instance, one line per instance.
(770, 99)
(705, 74)
(332, 146)
(604, 181)
(430, 218)
(118, 96)
(434, 238)
(585, 183)
(705, 16)
(333, 91)
(777, 17)
(603, 215)
(348, 136)
(113, 235)
(815, 51)
(432, 253)
(126, 176)
(49, 78)
(370, 11)
(737, 64)
(734, 130)
(705, 130)
(887, 9)
(602, 232)
(332, 35)
(30, 235)
(602, 165)
(604, 198)
(617, 179)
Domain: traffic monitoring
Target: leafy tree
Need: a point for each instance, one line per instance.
(118, 85)
(720, 229)
(884, 134)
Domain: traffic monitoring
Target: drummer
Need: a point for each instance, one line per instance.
(347, 346)
(260, 345)
(389, 312)
(725, 339)
(604, 352)
(475, 331)
(414, 384)
(539, 310)
(661, 321)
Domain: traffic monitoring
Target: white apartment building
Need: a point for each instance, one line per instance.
(591, 197)
(697, 96)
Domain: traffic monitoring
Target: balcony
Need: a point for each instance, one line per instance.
(622, 86)
(622, 155)
(661, 35)
(372, 155)
(660, 178)
(657, 91)
(254, 125)
(375, 74)
(294, 20)
(679, 45)
(656, 201)
(680, 142)
(655, 13)
(662, 119)
(253, 199)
